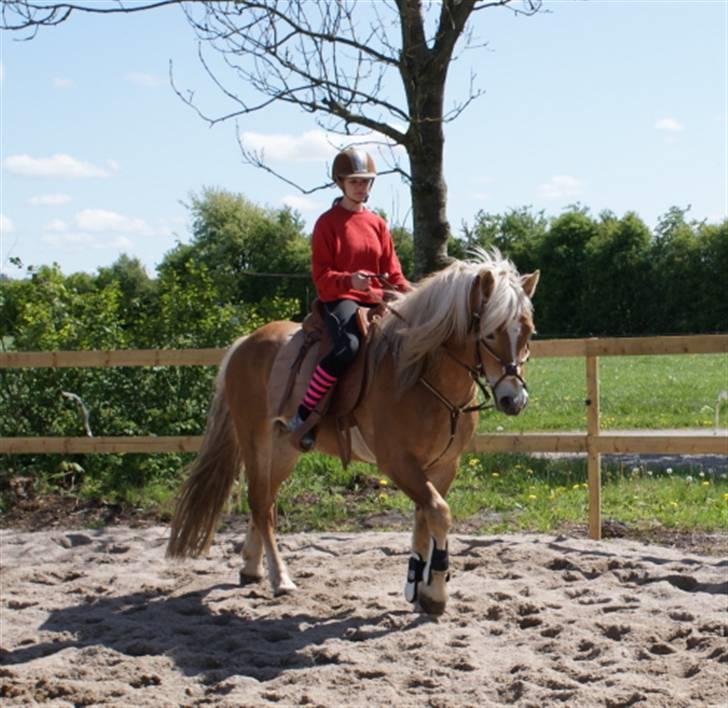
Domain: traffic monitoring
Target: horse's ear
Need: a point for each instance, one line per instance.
(481, 289)
(487, 284)
(529, 283)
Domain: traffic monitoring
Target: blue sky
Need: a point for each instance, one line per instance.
(616, 105)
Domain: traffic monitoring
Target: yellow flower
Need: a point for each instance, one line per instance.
(725, 498)
(382, 497)
(706, 483)
(532, 497)
(383, 482)
(576, 486)
(673, 503)
(473, 462)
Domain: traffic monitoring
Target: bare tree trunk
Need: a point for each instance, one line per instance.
(430, 225)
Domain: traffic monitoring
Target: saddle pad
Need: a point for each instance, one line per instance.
(281, 373)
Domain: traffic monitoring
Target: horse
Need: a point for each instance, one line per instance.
(464, 327)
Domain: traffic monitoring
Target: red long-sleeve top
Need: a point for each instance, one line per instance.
(345, 242)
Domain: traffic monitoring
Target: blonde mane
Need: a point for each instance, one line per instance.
(438, 309)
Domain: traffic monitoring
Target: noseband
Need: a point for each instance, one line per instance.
(510, 369)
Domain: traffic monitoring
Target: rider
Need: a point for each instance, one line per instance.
(350, 245)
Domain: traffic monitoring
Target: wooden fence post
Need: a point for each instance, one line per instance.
(594, 458)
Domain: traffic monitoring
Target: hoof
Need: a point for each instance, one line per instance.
(285, 589)
(249, 579)
(429, 606)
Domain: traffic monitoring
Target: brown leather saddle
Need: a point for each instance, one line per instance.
(343, 398)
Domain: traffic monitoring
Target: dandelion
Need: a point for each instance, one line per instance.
(688, 479)
(576, 486)
(494, 474)
(585, 485)
(473, 462)
(529, 471)
(382, 497)
(673, 504)
(701, 474)
(383, 482)
(725, 497)
(706, 483)
(649, 473)
(532, 497)
(669, 470)
(635, 470)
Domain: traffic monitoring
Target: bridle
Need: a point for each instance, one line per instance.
(477, 373)
(480, 378)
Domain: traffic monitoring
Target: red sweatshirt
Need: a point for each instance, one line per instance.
(345, 242)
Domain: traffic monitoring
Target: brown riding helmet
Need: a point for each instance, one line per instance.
(353, 163)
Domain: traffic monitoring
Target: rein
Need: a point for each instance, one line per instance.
(477, 375)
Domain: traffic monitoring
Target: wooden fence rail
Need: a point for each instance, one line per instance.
(594, 442)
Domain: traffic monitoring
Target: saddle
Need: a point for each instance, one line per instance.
(300, 357)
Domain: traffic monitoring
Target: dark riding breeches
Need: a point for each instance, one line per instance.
(341, 322)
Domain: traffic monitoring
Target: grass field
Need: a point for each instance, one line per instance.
(636, 392)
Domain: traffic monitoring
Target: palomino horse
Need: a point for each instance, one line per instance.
(464, 326)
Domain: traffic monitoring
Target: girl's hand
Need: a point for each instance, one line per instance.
(360, 281)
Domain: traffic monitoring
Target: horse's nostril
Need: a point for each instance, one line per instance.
(506, 403)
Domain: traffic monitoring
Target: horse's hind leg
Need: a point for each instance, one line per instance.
(252, 570)
(266, 469)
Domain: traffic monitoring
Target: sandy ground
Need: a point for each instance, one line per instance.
(101, 618)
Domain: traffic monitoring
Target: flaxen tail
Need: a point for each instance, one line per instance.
(208, 486)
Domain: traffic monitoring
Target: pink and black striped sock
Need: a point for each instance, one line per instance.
(318, 387)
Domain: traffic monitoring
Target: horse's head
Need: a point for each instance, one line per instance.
(503, 324)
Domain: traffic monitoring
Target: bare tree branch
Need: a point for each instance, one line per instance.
(362, 70)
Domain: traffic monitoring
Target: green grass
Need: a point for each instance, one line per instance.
(494, 493)
(640, 392)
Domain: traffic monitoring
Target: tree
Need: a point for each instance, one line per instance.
(336, 61)
(247, 249)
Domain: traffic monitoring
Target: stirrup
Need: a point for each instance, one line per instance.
(302, 437)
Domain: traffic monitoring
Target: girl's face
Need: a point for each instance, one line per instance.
(356, 188)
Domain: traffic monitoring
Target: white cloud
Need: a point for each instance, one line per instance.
(302, 203)
(60, 83)
(313, 145)
(49, 200)
(102, 220)
(56, 226)
(669, 124)
(59, 165)
(560, 186)
(6, 225)
(141, 79)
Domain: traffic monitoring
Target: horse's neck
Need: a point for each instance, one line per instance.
(449, 368)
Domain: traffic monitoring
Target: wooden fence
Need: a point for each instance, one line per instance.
(593, 443)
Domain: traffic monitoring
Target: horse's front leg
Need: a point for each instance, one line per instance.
(428, 570)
